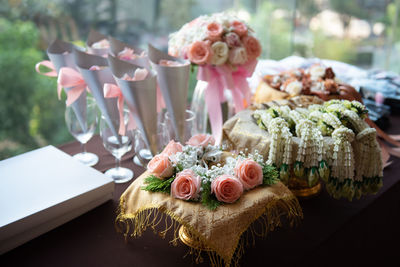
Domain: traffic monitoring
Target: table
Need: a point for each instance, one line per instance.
(333, 232)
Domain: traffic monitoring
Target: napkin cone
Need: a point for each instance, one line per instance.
(117, 46)
(174, 83)
(93, 37)
(60, 54)
(95, 80)
(141, 98)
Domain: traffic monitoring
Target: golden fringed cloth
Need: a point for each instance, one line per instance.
(223, 230)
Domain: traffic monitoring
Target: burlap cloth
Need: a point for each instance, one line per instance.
(242, 132)
(221, 229)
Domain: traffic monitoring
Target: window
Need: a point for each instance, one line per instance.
(360, 32)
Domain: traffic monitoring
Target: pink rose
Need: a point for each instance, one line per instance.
(227, 188)
(232, 40)
(239, 28)
(201, 140)
(253, 47)
(214, 31)
(161, 166)
(249, 173)
(200, 53)
(237, 55)
(186, 185)
(172, 148)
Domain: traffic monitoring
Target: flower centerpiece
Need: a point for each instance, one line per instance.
(226, 51)
(211, 200)
(200, 171)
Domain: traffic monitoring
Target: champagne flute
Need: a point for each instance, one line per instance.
(117, 145)
(83, 128)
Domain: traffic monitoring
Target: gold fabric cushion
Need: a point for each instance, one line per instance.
(221, 229)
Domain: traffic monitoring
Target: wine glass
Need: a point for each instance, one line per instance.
(117, 145)
(81, 123)
(143, 153)
(189, 124)
(199, 107)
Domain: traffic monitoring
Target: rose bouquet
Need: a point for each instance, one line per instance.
(202, 172)
(226, 52)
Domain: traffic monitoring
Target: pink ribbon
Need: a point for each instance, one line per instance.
(72, 79)
(111, 91)
(47, 64)
(160, 99)
(220, 78)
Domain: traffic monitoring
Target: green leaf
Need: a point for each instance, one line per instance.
(179, 167)
(270, 174)
(207, 199)
(155, 184)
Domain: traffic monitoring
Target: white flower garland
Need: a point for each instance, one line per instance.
(343, 177)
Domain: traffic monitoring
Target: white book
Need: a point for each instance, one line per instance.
(42, 189)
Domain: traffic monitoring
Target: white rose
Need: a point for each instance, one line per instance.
(317, 72)
(294, 88)
(220, 53)
(237, 55)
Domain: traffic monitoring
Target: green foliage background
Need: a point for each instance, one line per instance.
(30, 114)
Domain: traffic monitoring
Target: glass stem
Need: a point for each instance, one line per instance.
(83, 145)
(117, 162)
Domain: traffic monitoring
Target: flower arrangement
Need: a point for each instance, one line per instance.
(317, 156)
(202, 172)
(226, 51)
(217, 40)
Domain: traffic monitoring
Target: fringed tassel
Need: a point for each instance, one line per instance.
(133, 225)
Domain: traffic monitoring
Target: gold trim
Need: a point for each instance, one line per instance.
(191, 241)
(308, 192)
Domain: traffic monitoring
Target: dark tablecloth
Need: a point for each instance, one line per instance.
(333, 232)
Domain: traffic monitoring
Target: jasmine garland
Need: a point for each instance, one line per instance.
(340, 120)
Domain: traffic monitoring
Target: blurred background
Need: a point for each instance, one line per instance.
(364, 33)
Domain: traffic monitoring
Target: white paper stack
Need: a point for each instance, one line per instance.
(43, 189)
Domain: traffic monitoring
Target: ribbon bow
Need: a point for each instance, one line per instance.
(111, 91)
(47, 64)
(72, 79)
(220, 78)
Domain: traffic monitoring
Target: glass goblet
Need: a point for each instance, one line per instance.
(189, 124)
(143, 154)
(118, 145)
(82, 126)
